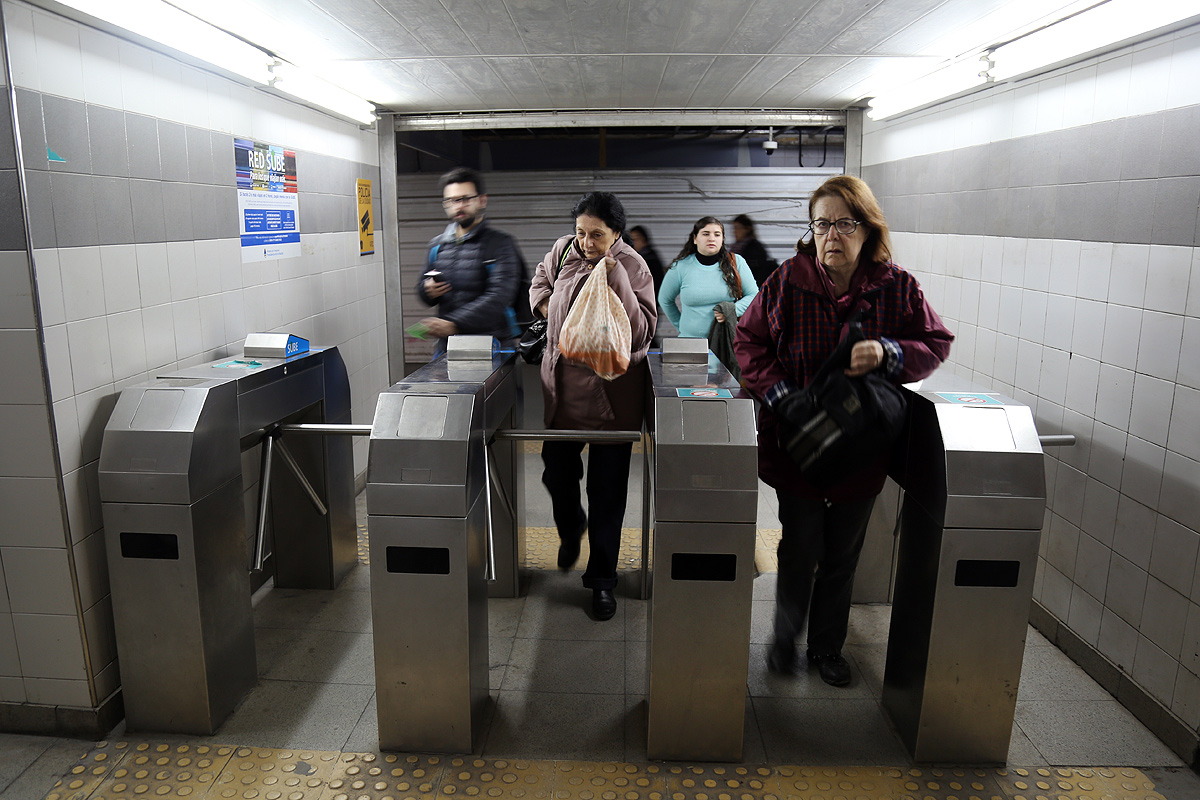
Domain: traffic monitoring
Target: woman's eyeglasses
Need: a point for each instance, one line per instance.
(844, 226)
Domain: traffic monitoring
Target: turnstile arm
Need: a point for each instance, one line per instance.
(1057, 440)
(547, 435)
(290, 460)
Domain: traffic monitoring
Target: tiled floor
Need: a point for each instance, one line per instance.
(568, 689)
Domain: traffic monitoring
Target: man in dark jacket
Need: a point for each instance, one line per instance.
(474, 273)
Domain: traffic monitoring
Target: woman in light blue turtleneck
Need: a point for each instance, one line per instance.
(704, 274)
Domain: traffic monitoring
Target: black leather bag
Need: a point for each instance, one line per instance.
(842, 423)
(533, 344)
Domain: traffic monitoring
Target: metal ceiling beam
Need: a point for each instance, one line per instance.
(615, 119)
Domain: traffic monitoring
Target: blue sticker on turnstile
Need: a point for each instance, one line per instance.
(704, 394)
(969, 398)
(240, 364)
(295, 346)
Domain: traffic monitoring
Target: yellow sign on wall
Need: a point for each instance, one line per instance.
(366, 219)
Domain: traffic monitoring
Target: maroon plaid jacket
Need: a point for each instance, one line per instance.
(794, 324)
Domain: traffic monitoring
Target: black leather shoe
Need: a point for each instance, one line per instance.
(782, 659)
(568, 547)
(833, 668)
(604, 604)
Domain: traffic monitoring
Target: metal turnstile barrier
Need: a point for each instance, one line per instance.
(436, 537)
(443, 480)
(975, 495)
(705, 524)
(171, 488)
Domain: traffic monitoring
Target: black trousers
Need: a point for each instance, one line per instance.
(818, 554)
(607, 491)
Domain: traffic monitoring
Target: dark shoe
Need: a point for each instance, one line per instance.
(833, 668)
(604, 604)
(782, 659)
(568, 547)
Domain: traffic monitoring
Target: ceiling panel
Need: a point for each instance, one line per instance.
(598, 26)
(651, 25)
(415, 56)
(823, 23)
(721, 78)
(868, 34)
(489, 27)
(372, 24)
(543, 25)
(601, 80)
(767, 24)
(562, 79)
(708, 25)
(641, 77)
(761, 78)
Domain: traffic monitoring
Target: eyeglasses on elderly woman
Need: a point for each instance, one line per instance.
(845, 226)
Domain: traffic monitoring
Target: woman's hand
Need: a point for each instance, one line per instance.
(718, 316)
(864, 357)
(544, 308)
(609, 263)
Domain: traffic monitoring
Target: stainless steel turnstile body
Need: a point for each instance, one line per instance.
(171, 487)
(972, 515)
(428, 503)
(705, 510)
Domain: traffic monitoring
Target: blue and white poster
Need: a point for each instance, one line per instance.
(268, 200)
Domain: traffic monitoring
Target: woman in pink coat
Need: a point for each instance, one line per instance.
(578, 399)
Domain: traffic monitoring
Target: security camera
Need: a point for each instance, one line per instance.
(770, 146)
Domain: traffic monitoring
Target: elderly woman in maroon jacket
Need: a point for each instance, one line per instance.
(577, 398)
(796, 321)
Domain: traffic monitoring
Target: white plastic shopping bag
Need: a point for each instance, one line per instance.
(596, 332)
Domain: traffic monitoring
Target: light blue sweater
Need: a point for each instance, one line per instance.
(699, 288)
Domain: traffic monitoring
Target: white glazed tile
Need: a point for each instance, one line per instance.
(1167, 276)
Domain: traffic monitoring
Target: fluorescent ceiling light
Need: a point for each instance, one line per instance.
(1098, 27)
(308, 87)
(937, 85)
(180, 31)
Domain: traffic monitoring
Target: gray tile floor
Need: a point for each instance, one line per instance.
(567, 687)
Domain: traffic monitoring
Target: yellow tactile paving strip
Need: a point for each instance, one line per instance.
(126, 771)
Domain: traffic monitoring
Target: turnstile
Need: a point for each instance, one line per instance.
(171, 487)
(705, 515)
(429, 503)
(972, 515)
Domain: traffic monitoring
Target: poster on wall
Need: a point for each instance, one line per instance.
(268, 200)
(366, 220)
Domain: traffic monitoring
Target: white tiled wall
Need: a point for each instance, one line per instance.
(113, 315)
(1100, 339)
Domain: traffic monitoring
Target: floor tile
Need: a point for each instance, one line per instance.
(870, 661)
(331, 657)
(1048, 674)
(499, 656)
(558, 726)
(538, 665)
(559, 607)
(822, 731)
(636, 676)
(1174, 782)
(504, 615)
(869, 624)
(19, 753)
(31, 765)
(297, 715)
(347, 611)
(288, 608)
(1091, 734)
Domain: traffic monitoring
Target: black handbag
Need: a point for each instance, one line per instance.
(843, 423)
(533, 343)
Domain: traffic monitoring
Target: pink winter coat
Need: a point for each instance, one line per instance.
(575, 397)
